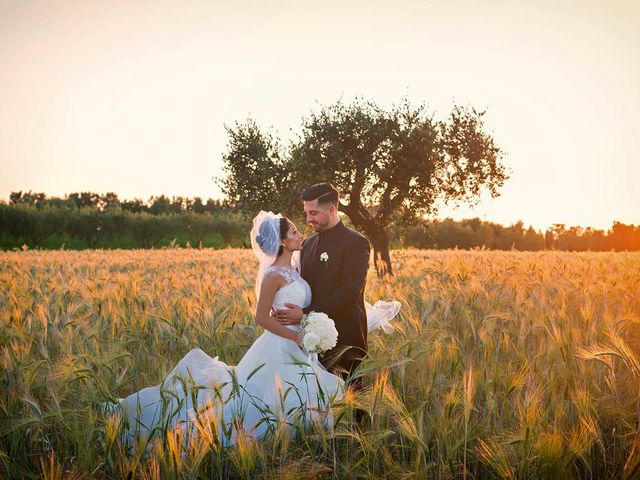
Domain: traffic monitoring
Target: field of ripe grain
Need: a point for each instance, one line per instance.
(503, 365)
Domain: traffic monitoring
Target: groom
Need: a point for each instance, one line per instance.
(334, 261)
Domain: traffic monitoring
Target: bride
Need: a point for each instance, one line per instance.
(275, 381)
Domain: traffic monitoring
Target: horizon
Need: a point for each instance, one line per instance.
(132, 98)
(525, 225)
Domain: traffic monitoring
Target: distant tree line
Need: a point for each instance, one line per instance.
(161, 205)
(91, 220)
(475, 233)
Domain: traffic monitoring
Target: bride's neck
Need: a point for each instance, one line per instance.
(284, 259)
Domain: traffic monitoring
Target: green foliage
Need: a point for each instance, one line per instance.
(393, 163)
(475, 233)
(49, 227)
(88, 227)
(257, 173)
(161, 205)
(399, 163)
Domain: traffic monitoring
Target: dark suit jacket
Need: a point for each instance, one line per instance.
(337, 285)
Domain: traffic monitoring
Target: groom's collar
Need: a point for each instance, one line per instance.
(333, 230)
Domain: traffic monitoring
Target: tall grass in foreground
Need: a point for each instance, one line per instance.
(503, 365)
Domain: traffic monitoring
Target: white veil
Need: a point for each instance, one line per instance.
(265, 243)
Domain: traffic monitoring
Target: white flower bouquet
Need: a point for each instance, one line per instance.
(319, 332)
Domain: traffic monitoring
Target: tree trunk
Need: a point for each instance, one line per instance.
(381, 257)
(377, 236)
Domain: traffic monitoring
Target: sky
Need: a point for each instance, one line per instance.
(133, 97)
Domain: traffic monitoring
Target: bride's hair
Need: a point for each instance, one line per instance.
(284, 229)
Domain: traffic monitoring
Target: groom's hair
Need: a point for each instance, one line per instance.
(325, 193)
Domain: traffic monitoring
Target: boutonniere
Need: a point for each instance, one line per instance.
(324, 258)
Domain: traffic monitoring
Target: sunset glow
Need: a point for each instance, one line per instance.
(132, 97)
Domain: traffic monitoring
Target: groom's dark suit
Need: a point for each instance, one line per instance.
(337, 287)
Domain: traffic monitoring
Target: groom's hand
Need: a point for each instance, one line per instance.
(291, 316)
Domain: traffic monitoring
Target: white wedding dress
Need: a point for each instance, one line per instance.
(274, 382)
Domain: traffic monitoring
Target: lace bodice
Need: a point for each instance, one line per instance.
(297, 291)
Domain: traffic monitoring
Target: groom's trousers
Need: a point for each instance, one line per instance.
(343, 361)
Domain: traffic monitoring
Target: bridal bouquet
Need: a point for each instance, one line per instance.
(318, 332)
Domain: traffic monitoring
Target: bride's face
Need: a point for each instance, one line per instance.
(293, 240)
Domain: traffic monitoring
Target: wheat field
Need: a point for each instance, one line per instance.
(502, 365)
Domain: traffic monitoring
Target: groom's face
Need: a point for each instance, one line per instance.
(318, 216)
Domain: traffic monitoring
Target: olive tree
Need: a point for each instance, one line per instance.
(391, 167)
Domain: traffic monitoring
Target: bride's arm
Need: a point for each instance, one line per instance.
(271, 283)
